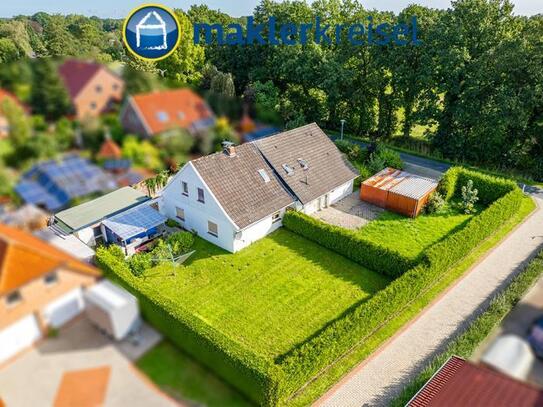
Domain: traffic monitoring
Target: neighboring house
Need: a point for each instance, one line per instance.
(125, 217)
(27, 217)
(461, 383)
(4, 125)
(41, 287)
(51, 185)
(92, 87)
(238, 196)
(157, 112)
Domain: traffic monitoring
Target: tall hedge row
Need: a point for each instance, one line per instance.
(349, 244)
(306, 360)
(255, 376)
(490, 188)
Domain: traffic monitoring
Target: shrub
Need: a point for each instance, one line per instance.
(375, 163)
(172, 223)
(435, 203)
(390, 157)
(180, 242)
(140, 262)
(469, 197)
(348, 243)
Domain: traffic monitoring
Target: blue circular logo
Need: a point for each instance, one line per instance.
(151, 32)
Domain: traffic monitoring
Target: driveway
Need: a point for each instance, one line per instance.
(349, 213)
(34, 378)
(381, 377)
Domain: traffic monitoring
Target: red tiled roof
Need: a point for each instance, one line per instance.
(4, 94)
(169, 109)
(76, 74)
(110, 150)
(461, 383)
(24, 257)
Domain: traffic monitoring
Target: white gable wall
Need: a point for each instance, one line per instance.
(197, 214)
(256, 231)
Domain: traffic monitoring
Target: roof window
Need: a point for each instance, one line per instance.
(303, 164)
(288, 169)
(162, 116)
(264, 175)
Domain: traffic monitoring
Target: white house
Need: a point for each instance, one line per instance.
(240, 195)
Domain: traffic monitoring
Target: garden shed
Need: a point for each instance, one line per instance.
(398, 191)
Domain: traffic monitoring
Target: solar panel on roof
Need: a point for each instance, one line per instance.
(135, 221)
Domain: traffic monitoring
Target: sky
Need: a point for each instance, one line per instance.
(120, 8)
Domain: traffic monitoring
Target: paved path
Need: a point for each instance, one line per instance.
(380, 378)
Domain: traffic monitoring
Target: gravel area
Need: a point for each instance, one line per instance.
(350, 212)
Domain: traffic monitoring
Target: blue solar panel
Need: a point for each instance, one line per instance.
(135, 221)
(54, 183)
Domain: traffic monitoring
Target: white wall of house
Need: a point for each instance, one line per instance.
(197, 214)
(329, 198)
(86, 235)
(65, 308)
(18, 336)
(257, 231)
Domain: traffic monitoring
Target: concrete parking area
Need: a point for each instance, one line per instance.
(34, 378)
(350, 212)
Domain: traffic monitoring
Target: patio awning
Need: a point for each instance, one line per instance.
(135, 221)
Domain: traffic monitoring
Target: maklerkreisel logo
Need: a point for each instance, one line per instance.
(151, 32)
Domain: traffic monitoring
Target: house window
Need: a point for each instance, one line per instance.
(212, 229)
(276, 217)
(98, 88)
(180, 213)
(115, 86)
(201, 195)
(93, 105)
(50, 279)
(185, 188)
(162, 116)
(13, 298)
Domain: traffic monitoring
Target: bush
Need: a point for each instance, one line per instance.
(469, 197)
(348, 243)
(435, 203)
(140, 262)
(390, 157)
(180, 242)
(375, 163)
(172, 224)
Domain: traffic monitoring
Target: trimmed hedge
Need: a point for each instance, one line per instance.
(255, 376)
(490, 188)
(308, 359)
(349, 244)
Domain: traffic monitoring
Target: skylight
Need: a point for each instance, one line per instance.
(288, 169)
(162, 116)
(264, 175)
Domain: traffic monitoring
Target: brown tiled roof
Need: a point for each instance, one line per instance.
(76, 74)
(24, 257)
(326, 169)
(238, 186)
(461, 383)
(164, 110)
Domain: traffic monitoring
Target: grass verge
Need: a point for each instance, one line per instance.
(187, 380)
(467, 342)
(318, 387)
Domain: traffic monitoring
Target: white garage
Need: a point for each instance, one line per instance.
(18, 336)
(64, 308)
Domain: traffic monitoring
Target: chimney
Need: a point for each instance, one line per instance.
(228, 148)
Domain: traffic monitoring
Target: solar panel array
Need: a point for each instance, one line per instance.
(134, 221)
(52, 184)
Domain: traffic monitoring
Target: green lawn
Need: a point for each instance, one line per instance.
(270, 296)
(411, 237)
(186, 380)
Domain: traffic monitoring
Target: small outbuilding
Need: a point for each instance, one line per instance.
(112, 309)
(398, 191)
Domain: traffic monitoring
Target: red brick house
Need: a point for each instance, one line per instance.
(153, 113)
(92, 87)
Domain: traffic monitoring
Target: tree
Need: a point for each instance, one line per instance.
(64, 134)
(185, 64)
(142, 153)
(49, 96)
(20, 128)
(139, 77)
(8, 51)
